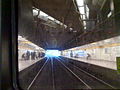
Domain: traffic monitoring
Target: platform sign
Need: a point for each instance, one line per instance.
(118, 64)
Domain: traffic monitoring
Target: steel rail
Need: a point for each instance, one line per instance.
(53, 80)
(92, 76)
(75, 74)
(37, 75)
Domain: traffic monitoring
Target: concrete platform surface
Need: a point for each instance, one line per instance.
(26, 63)
(102, 63)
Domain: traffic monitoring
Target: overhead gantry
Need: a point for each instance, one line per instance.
(67, 28)
(53, 34)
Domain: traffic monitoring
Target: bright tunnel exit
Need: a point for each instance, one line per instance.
(52, 53)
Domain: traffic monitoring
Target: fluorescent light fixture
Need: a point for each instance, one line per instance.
(81, 9)
(43, 14)
(35, 12)
(109, 14)
(52, 53)
(80, 2)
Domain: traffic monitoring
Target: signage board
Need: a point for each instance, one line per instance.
(118, 64)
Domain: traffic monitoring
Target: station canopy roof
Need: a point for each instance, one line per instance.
(65, 11)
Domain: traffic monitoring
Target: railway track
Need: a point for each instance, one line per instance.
(90, 79)
(57, 74)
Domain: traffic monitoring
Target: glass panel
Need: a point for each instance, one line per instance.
(58, 50)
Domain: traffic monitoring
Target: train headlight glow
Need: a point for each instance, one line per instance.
(53, 53)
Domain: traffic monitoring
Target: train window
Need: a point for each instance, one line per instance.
(68, 44)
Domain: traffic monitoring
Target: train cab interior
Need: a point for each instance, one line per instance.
(59, 44)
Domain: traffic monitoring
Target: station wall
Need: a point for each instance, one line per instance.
(107, 49)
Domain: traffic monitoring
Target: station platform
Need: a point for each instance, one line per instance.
(102, 63)
(26, 63)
